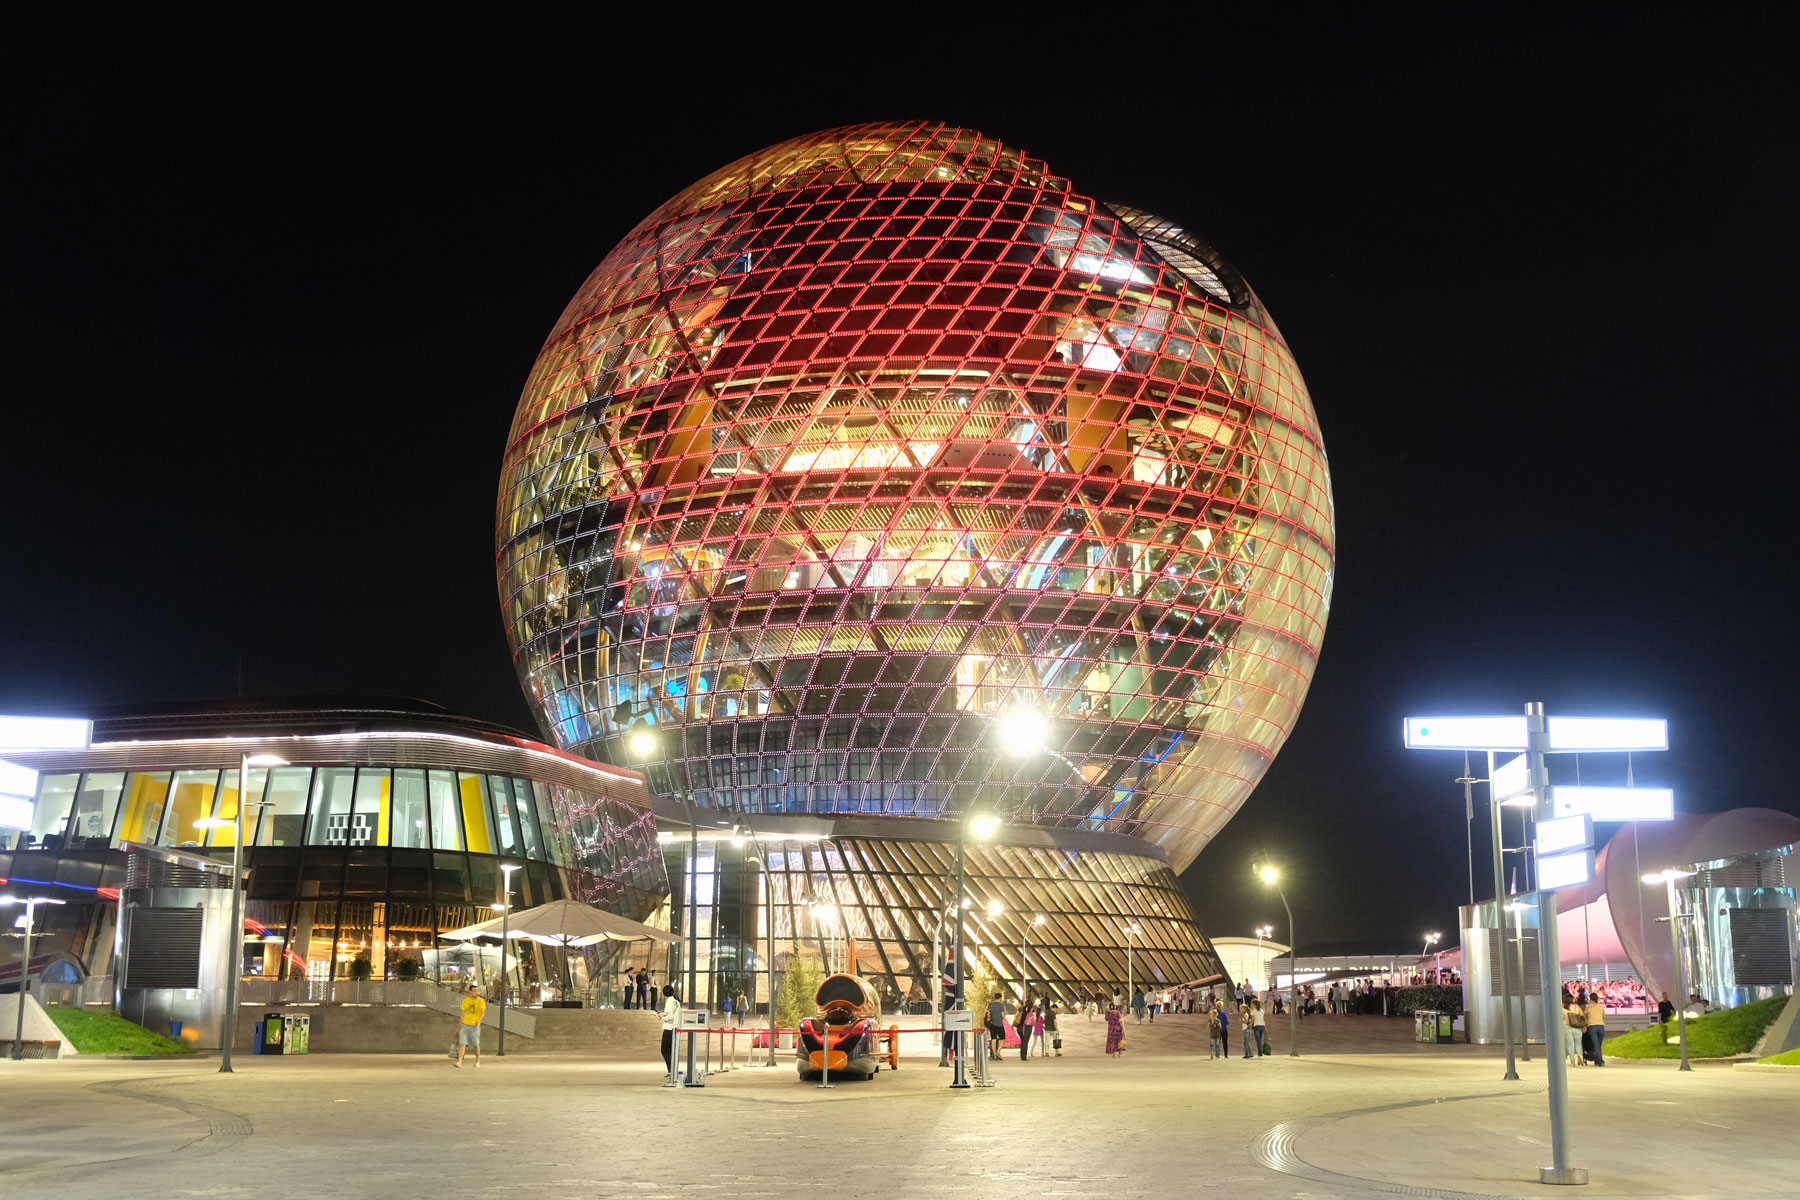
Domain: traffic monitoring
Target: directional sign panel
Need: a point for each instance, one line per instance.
(1565, 870)
(1465, 733)
(17, 781)
(45, 733)
(1511, 779)
(1564, 833)
(962, 1020)
(1614, 803)
(1608, 733)
(15, 812)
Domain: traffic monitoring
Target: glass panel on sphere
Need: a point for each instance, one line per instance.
(96, 804)
(190, 800)
(284, 817)
(329, 820)
(408, 811)
(446, 812)
(50, 815)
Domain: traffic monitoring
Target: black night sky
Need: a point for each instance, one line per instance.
(270, 294)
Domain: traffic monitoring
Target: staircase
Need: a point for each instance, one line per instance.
(601, 1032)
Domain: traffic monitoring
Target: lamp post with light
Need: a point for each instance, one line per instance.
(1025, 953)
(1271, 876)
(505, 907)
(642, 743)
(1263, 932)
(1131, 931)
(1432, 939)
(234, 935)
(746, 841)
(980, 826)
(1668, 878)
(30, 903)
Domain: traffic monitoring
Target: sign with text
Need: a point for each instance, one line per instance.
(959, 1022)
(1564, 833)
(1465, 733)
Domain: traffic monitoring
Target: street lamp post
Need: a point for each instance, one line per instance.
(234, 935)
(981, 826)
(643, 743)
(1263, 932)
(1431, 939)
(1668, 879)
(30, 903)
(1272, 877)
(505, 907)
(744, 838)
(1025, 953)
(1131, 931)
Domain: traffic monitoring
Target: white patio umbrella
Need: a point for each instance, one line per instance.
(565, 923)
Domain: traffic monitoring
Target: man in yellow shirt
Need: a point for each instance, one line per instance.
(469, 1032)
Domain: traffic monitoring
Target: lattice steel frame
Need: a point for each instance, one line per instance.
(864, 443)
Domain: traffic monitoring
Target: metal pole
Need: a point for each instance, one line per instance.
(1524, 1017)
(1549, 964)
(18, 1046)
(1293, 978)
(234, 936)
(960, 1077)
(1468, 782)
(824, 1049)
(1128, 988)
(769, 918)
(1680, 969)
(505, 927)
(1512, 1067)
(693, 938)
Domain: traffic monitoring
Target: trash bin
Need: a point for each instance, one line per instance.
(274, 1034)
(1433, 1027)
(1446, 1028)
(300, 1035)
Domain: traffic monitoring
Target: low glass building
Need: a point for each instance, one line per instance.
(388, 827)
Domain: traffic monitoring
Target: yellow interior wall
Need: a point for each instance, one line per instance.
(384, 811)
(145, 793)
(191, 800)
(475, 826)
(227, 812)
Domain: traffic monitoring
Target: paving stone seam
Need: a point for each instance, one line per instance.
(224, 1130)
(1277, 1149)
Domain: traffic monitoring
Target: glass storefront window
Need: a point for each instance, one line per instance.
(408, 819)
(146, 794)
(259, 780)
(50, 816)
(284, 820)
(478, 821)
(501, 788)
(528, 821)
(96, 804)
(369, 823)
(190, 800)
(329, 824)
(446, 814)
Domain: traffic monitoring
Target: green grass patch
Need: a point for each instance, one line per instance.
(1721, 1034)
(109, 1033)
(1787, 1058)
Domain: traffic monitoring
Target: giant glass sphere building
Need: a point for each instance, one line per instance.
(885, 476)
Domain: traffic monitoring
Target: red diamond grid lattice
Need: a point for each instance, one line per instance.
(884, 472)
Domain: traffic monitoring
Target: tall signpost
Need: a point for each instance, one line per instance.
(1572, 862)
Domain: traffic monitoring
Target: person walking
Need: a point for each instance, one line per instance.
(742, 1007)
(1594, 1009)
(1024, 1024)
(1050, 1030)
(1258, 1022)
(1574, 1021)
(1665, 1010)
(1137, 1003)
(1244, 1024)
(469, 1032)
(996, 1026)
(1115, 1031)
(671, 1017)
(1215, 1029)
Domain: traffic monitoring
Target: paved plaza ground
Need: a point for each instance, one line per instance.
(1363, 1112)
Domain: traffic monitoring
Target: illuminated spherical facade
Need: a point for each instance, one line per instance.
(884, 472)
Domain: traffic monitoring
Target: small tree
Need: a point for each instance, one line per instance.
(798, 996)
(980, 988)
(361, 969)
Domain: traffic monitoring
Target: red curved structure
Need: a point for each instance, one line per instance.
(885, 449)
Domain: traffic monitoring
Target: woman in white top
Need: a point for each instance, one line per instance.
(1258, 1022)
(671, 1017)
